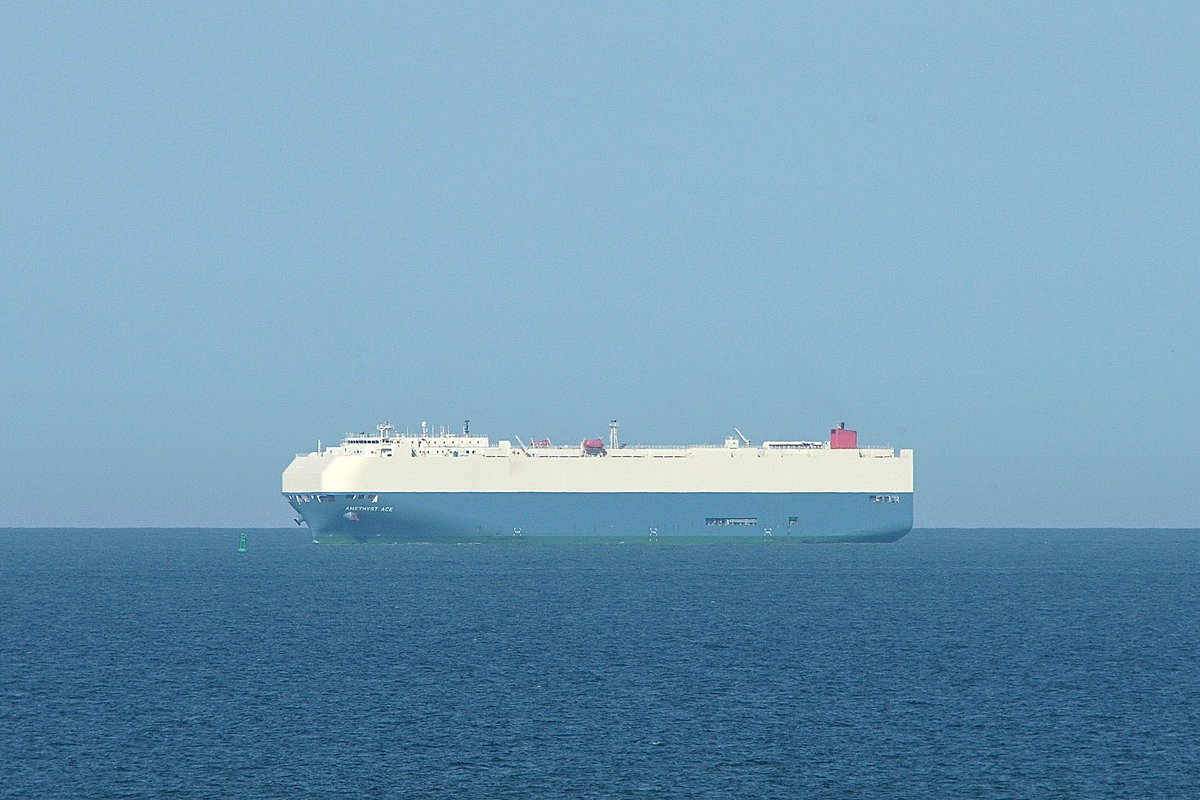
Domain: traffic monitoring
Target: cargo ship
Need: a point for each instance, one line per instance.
(459, 487)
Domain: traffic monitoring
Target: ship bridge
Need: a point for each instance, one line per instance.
(387, 442)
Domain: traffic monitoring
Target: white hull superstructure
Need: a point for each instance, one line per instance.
(424, 482)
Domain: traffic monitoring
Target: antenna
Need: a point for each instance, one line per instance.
(743, 437)
(466, 427)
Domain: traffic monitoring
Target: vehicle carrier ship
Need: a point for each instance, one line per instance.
(460, 487)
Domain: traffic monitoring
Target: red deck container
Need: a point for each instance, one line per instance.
(840, 438)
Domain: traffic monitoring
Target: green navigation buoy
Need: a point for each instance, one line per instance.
(242, 544)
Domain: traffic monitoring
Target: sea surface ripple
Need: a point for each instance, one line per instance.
(968, 663)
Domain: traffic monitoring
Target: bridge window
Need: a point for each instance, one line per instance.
(719, 521)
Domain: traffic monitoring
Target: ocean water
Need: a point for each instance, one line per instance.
(954, 663)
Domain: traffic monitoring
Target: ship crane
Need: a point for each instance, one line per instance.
(742, 436)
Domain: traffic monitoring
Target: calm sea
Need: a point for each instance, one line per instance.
(955, 663)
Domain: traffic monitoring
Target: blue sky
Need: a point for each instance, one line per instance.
(229, 231)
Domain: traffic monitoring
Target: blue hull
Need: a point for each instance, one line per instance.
(633, 516)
